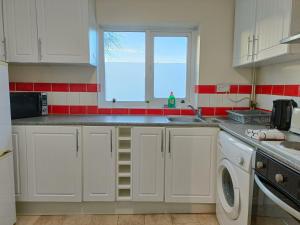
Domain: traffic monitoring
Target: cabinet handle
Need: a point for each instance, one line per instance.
(77, 142)
(169, 142)
(255, 45)
(40, 49)
(162, 141)
(4, 48)
(111, 142)
(248, 51)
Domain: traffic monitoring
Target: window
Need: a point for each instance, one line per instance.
(144, 67)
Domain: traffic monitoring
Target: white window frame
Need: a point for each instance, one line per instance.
(192, 75)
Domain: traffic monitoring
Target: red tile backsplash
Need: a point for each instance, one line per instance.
(42, 87)
(281, 90)
(60, 109)
(278, 90)
(78, 87)
(291, 90)
(12, 86)
(78, 109)
(24, 86)
(155, 112)
(93, 110)
(60, 87)
(245, 89)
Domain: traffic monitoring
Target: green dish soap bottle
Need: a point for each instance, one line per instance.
(171, 101)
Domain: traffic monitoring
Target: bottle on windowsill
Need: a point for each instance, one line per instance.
(172, 101)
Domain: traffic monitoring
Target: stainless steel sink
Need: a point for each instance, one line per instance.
(185, 119)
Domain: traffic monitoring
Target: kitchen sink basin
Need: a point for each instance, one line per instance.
(185, 119)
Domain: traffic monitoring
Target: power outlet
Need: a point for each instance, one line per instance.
(221, 88)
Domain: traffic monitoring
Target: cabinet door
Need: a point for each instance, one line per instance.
(190, 165)
(99, 164)
(148, 164)
(63, 30)
(2, 38)
(20, 162)
(20, 30)
(271, 22)
(54, 163)
(244, 31)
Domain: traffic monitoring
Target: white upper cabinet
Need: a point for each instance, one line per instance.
(244, 31)
(63, 27)
(20, 30)
(20, 162)
(99, 163)
(274, 20)
(190, 165)
(2, 37)
(51, 31)
(54, 163)
(148, 164)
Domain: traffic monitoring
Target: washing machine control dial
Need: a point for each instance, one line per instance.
(259, 165)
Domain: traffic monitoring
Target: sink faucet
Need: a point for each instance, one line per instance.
(197, 112)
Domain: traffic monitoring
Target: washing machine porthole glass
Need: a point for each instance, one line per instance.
(228, 187)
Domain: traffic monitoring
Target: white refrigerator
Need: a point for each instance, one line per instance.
(7, 192)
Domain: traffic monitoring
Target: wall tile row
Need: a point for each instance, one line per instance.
(53, 87)
(282, 90)
(94, 110)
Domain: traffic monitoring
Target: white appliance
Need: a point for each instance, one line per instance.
(7, 193)
(295, 122)
(234, 180)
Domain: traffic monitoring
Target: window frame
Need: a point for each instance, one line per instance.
(150, 34)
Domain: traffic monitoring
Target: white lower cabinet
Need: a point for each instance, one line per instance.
(148, 164)
(58, 164)
(54, 163)
(99, 164)
(20, 162)
(190, 165)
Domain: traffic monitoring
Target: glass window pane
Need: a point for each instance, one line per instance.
(124, 66)
(170, 66)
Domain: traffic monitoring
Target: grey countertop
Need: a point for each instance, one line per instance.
(109, 121)
(288, 157)
(291, 158)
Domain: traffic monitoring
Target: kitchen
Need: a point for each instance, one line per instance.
(114, 148)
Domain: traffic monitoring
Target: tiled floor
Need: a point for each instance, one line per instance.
(156, 219)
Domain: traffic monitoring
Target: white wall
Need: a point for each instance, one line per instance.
(214, 18)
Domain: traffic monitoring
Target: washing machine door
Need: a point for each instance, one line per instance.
(228, 189)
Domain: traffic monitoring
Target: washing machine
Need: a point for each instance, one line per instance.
(234, 180)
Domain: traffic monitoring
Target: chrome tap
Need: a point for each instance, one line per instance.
(197, 112)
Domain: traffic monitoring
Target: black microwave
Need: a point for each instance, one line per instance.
(28, 104)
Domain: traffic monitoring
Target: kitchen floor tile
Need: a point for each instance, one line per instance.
(158, 219)
(26, 220)
(184, 218)
(207, 219)
(131, 220)
(49, 220)
(104, 220)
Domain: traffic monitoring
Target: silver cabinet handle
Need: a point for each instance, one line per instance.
(4, 48)
(255, 45)
(77, 142)
(162, 141)
(40, 49)
(111, 142)
(248, 50)
(169, 142)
